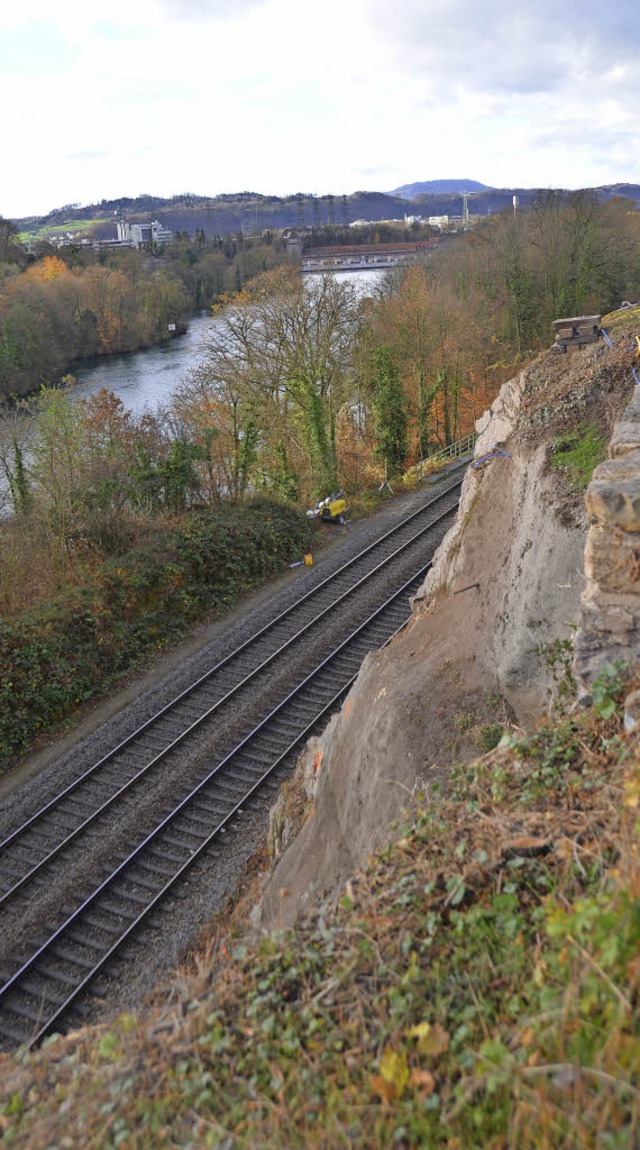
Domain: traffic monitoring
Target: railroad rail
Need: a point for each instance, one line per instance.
(52, 967)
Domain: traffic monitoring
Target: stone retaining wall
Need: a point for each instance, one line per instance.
(610, 605)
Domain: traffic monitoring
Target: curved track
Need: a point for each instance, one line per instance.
(144, 818)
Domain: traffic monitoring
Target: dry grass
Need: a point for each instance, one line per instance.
(477, 986)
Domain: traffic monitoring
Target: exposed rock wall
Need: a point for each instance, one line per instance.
(467, 661)
(610, 609)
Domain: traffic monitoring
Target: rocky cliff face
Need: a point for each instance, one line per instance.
(507, 581)
(610, 607)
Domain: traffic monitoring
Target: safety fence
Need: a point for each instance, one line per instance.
(439, 458)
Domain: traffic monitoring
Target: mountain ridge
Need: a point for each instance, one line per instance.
(256, 212)
(438, 187)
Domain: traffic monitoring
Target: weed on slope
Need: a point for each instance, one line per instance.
(476, 987)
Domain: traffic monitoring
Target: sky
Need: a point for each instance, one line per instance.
(281, 96)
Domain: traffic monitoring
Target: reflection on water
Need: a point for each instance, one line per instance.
(147, 378)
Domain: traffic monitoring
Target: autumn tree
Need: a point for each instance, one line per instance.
(280, 359)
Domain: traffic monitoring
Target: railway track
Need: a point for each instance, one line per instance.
(166, 817)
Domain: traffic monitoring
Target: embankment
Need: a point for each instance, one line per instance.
(489, 638)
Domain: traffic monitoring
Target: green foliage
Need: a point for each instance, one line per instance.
(558, 658)
(80, 303)
(389, 412)
(578, 453)
(606, 688)
(76, 645)
(490, 735)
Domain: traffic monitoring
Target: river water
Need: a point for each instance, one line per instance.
(145, 379)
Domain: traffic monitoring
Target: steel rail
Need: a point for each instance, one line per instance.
(7, 895)
(56, 799)
(46, 946)
(13, 890)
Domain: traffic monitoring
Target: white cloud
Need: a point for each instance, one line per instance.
(198, 10)
(212, 96)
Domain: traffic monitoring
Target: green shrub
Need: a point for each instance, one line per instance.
(77, 645)
(490, 735)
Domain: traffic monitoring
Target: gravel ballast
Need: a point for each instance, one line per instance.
(208, 887)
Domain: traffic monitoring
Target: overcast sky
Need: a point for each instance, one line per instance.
(280, 96)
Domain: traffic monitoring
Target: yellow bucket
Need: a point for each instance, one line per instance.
(308, 560)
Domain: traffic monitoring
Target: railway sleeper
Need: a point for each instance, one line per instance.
(146, 884)
(317, 695)
(172, 730)
(198, 819)
(65, 954)
(12, 878)
(26, 1010)
(175, 856)
(257, 756)
(89, 944)
(224, 797)
(213, 812)
(50, 995)
(272, 740)
(279, 727)
(13, 1037)
(156, 868)
(76, 806)
(99, 924)
(301, 714)
(236, 776)
(177, 842)
(27, 855)
(129, 896)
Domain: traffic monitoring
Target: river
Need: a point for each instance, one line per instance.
(145, 379)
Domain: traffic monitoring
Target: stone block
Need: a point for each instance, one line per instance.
(632, 711)
(612, 560)
(618, 470)
(615, 500)
(625, 439)
(631, 412)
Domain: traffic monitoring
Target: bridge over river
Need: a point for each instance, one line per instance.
(363, 257)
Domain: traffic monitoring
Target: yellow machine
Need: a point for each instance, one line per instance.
(334, 511)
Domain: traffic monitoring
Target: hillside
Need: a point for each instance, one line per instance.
(476, 982)
(253, 212)
(436, 187)
(476, 987)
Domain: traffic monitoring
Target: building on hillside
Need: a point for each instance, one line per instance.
(135, 235)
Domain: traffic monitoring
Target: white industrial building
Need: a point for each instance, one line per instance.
(135, 235)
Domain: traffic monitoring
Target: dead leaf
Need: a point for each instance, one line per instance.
(394, 1075)
(382, 1088)
(432, 1039)
(424, 1080)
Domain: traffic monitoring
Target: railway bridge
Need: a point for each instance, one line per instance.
(361, 257)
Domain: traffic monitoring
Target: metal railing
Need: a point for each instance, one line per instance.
(453, 451)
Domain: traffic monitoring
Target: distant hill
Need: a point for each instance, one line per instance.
(252, 212)
(438, 187)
